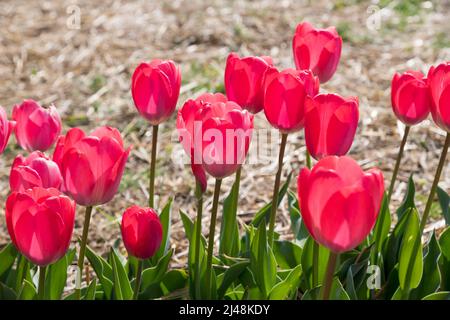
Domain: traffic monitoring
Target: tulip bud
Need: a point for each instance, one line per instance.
(439, 84)
(91, 166)
(6, 127)
(40, 223)
(155, 88)
(317, 49)
(330, 124)
(36, 170)
(339, 202)
(36, 128)
(284, 100)
(410, 97)
(244, 80)
(141, 232)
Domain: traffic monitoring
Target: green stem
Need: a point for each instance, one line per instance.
(397, 163)
(87, 220)
(212, 228)
(198, 231)
(137, 284)
(276, 188)
(308, 158)
(329, 275)
(41, 287)
(151, 187)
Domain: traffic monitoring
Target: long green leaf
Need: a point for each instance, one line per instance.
(121, 286)
(229, 230)
(165, 218)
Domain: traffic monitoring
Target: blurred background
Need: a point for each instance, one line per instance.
(79, 55)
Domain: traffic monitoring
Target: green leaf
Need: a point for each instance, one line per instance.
(382, 226)
(288, 287)
(408, 200)
(121, 285)
(391, 247)
(56, 277)
(444, 201)
(6, 293)
(287, 253)
(155, 274)
(410, 260)
(28, 291)
(444, 260)
(189, 226)
(337, 292)
(264, 213)
(298, 227)
(443, 295)
(230, 275)
(165, 218)
(90, 292)
(103, 270)
(171, 286)
(7, 257)
(229, 230)
(308, 262)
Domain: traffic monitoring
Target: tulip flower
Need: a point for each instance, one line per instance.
(155, 87)
(244, 80)
(339, 204)
(6, 127)
(142, 235)
(439, 83)
(330, 124)
(317, 49)
(37, 128)
(40, 223)
(36, 170)
(91, 167)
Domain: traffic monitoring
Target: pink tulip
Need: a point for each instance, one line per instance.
(6, 127)
(37, 128)
(244, 80)
(339, 202)
(91, 166)
(40, 223)
(36, 170)
(439, 83)
(155, 88)
(330, 124)
(317, 49)
(284, 101)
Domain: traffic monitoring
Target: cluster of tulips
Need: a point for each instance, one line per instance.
(340, 220)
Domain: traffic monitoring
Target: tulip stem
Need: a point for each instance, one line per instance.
(276, 188)
(212, 228)
(308, 159)
(87, 220)
(331, 265)
(41, 288)
(397, 163)
(151, 188)
(137, 284)
(198, 230)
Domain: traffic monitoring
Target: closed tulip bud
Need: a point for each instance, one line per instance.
(317, 49)
(330, 124)
(6, 127)
(339, 202)
(410, 97)
(155, 88)
(37, 128)
(40, 223)
(36, 170)
(284, 100)
(141, 232)
(244, 80)
(439, 83)
(91, 165)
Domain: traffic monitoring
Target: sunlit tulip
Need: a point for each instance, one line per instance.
(6, 127)
(37, 128)
(330, 124)
(36, 170)
(317, 49)
(40, 223)
(244, 80)
(439, 83)
(91, 165)
(339, 202)
(155, 88)
(284, 101)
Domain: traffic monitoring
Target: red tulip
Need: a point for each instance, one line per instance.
(244, 80)
(6, 127)
(439, 83)
(155, 88)
(37, 128)
(339, 202)
(40, 223)
(330, 124)
(284, 101)
(36, 170)
(141, 231)
(410, 97)
(317, 49)
(91, 166)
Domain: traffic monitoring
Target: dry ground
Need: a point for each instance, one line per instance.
(86, 73)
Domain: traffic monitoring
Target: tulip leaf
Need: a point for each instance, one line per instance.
(298, 227)
(391, 247)
(103, 270)
(56, 277)
(165, 218)
(6, 293)
(28, 291)
(154, 274)
(91, 290)
(444, 259)
(307, 260)
(410, 266)
(189, 226)
(173, 281)
(382, 226)
(7, 257)
(337, 292)
(21, 272)
(264, 212)
(230, 275)
(288, 287)
(444, 201)
(229, 230)
(443, 295)
(287, 253)
(408, 200)
(121, 285)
